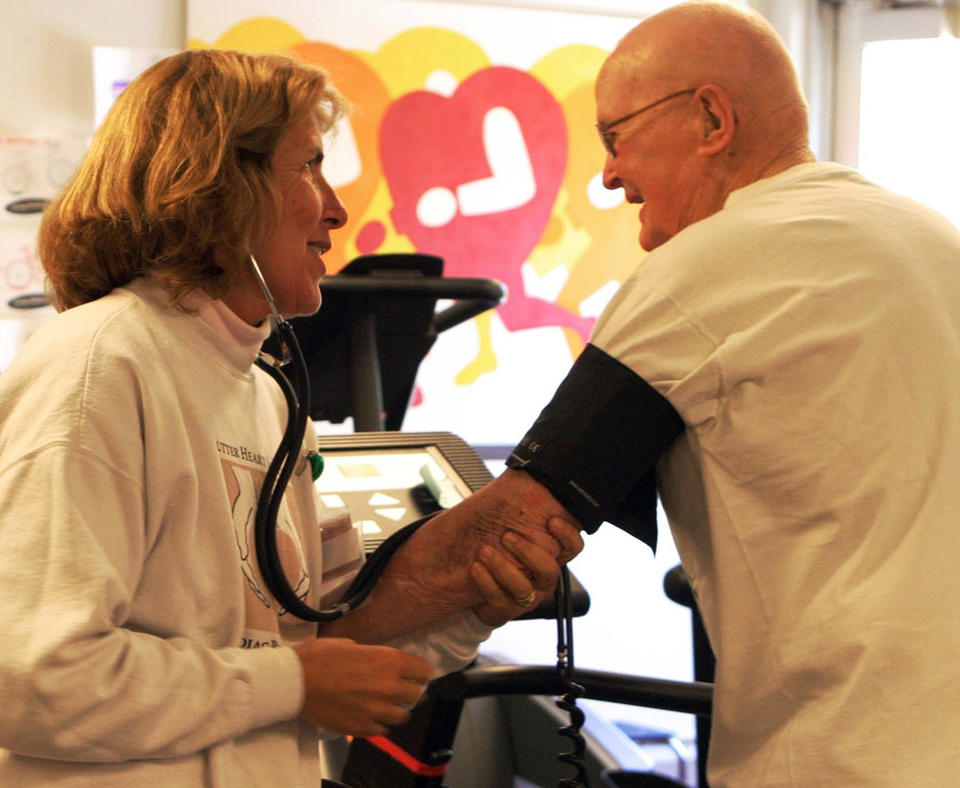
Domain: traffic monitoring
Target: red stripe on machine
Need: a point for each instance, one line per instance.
(412, 764)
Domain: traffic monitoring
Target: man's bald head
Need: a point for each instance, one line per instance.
(694, 103)
(703, 43)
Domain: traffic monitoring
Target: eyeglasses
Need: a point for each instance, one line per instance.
(604, 128)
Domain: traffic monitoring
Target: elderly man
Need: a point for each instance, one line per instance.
(785, 363)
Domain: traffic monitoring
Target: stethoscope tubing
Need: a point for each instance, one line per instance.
(278, 474)
(282, 465)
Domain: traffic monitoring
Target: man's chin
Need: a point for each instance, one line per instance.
(650, 239)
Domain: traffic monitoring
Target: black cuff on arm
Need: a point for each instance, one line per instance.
(595, 445)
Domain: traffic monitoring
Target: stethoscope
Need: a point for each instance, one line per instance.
(287, 457)
(296, 392)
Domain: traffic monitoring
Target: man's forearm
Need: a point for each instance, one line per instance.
(428, 578)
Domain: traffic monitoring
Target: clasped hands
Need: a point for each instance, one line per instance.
(499, 553)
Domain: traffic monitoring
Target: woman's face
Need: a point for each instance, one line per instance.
(290, 254)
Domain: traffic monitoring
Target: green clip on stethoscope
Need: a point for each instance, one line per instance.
(296, 392)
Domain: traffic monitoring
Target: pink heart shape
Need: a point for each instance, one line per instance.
(474, 177)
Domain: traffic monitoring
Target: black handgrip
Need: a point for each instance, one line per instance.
(690, 697)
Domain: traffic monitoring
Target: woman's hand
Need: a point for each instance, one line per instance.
(515, 583)
(358, 689)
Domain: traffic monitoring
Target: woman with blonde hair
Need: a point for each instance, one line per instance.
(142, 644)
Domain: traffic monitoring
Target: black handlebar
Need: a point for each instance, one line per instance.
(690, 697)
(473, 296)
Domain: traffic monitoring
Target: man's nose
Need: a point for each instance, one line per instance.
(610, 177)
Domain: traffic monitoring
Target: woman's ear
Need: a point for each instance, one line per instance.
(718, 118)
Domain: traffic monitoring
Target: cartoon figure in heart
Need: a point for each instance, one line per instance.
(474, 176)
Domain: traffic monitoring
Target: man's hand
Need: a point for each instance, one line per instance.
(509, 589)
(430, 575)
(433, 567)
(359, 690)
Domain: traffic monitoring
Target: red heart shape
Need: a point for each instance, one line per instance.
(491, 158)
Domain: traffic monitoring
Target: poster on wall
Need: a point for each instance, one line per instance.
(471, 138)
(32, 170)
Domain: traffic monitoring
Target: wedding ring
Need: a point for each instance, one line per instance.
(528, 600)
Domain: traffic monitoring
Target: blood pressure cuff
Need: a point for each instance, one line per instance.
(595, 445)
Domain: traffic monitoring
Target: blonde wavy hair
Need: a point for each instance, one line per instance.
(178, 175)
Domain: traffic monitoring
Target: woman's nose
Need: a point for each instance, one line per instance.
(334, 212)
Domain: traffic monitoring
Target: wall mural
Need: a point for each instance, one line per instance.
(495, 168)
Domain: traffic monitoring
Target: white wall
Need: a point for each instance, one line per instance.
(45, 48)
(46, 84)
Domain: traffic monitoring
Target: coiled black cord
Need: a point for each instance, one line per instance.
(568, 701)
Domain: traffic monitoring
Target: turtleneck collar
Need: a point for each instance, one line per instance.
(227, 324)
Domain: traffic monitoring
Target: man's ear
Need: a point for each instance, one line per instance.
(718, 118)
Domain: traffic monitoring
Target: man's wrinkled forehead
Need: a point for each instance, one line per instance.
(624, 78)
